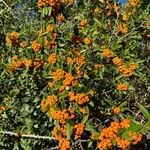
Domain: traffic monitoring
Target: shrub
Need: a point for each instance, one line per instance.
(78, 76)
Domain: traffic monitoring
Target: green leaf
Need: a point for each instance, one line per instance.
(24, 74)
(145, 112)
(46, 10)
(49, 11)
(56, 123)
(16, 147)
(110, 102)
(90, 144)
(123, 104)
(1, 11)
(90, 128)
(91, 103)
(36, 126)
(62, 96)
(146, 128)
(133, 120)
(26, 99)
(116, 46)
(43, 12)
(42, 15)
(114, 142)
(47, 77)
(118, 77)
(101, 75)
(69, 129)
(135, 127)
(125, 135)
(85, 118)
(28, 122)
(86, 76)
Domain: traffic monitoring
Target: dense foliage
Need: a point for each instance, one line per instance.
(74, 75)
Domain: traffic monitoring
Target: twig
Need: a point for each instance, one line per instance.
(146, 27)
(87, 140)
(134, 30)
(81, 145)
(4, 3)
(130, 32)
(27, 136)
(107, 95)
(43, 90)
(57, 147)
(137, 113)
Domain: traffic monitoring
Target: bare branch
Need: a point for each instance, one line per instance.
(27, 136)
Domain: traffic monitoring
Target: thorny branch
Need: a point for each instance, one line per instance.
(27, 136)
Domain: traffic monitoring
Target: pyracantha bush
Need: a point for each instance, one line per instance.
(80, 76)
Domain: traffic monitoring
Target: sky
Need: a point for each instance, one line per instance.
(122, 1)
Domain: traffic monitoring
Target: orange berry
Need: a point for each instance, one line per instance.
(122, 28)
(126, 71)
(133, 66)
(27, 63)
(98, 66)
(2, 108)
(122, 87)
(83, 110)
(70, 61)
(125, 16)
(97, 9)
(38, 63)
(52, 58)
(78, 130)
(60, 18)
(116, 110)
(133, 3)
(50, 28)
(58, 74)
(12, 38)
(125, 123)
(117, 61)
(87, 41)
(83, 23)
(36, 46)
(68, 79)
(108, 53)
(52, 3)
(50, 84)
(23, 44)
